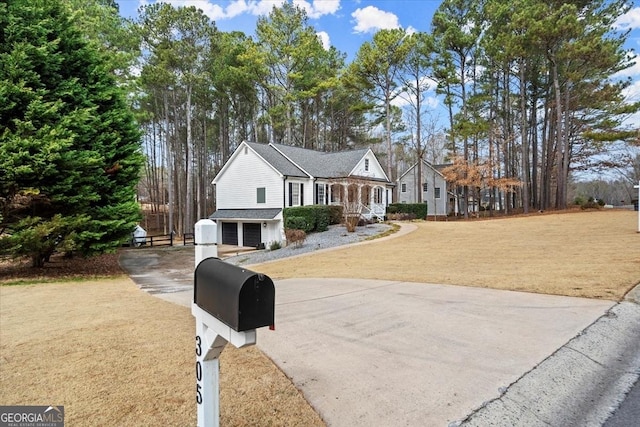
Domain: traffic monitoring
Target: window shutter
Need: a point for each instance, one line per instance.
(290, 194)
(301, 194)
(316, 201)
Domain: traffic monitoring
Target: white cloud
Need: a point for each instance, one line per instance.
(263, 7)
(324, 39)
(318, 8)
(371, 19)
(213, 11)
(632, 93)
(407, 98)
(234, 8)
(630, 19)
(634, 70)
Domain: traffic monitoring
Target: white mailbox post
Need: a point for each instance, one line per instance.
(205, 238)
(225, 311)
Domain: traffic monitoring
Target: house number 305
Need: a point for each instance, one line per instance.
(198, 370)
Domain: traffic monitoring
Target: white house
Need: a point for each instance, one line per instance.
(260, 180)
(432, 185)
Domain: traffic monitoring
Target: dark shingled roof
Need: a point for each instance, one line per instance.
(260, 214)
(323, 165)
(300, 162)
(277, 160)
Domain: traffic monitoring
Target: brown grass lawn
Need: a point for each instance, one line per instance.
(116, 356)
(593, 254)
(113, 355)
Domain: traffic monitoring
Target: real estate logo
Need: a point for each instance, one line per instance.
(31, 416)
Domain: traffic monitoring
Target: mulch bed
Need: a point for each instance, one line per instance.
(61, 268)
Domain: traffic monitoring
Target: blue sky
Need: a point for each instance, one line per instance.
(346, 24)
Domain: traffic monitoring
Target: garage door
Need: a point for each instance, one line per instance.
(230, 233)
(251, 234)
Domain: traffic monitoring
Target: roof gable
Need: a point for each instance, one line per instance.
(428, 165)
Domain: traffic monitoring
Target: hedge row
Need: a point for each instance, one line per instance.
(418, 209)
(312, 218)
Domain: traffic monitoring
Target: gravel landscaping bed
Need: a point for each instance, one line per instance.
(336, 235)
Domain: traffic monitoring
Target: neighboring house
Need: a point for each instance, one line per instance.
(432, 185)
(259, 181)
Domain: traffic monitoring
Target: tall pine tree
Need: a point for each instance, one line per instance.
(69, 146)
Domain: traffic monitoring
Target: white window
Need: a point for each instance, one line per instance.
(436, 192)
(404, 187)
(321, 194)
(366, 165)
(377, 195)
(295, 194)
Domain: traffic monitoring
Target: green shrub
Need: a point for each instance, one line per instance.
(417, 209)
(275, 246)
(591, 204)
(579, 200)
(335, 214)
(323, 217)
(316, 217)
(601, 202)
(297, 223)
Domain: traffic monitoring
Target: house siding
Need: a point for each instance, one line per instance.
(375, 169)
(236, 190)
(413, 185)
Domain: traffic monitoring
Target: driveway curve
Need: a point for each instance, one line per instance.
(380, 352)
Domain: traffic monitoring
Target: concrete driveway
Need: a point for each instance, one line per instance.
(369, 352)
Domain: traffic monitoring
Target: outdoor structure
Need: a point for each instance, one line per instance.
(431, 184)
(229, 304)
(260, 180)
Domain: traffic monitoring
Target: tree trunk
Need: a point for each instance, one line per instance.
(524, 129)
(560, 176)
(189, 164)
(169, 165)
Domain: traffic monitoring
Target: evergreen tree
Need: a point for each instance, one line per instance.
(69, 146)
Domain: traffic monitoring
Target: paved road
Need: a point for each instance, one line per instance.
(368, 352)
(629, 412)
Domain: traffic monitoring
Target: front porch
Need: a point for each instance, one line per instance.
(365, 199)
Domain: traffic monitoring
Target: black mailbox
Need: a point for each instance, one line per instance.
(240, 298)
